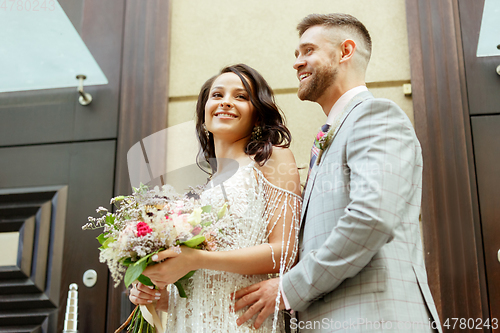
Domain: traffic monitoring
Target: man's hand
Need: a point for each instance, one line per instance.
(263, 297)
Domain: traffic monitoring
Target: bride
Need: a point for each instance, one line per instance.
(238, 121)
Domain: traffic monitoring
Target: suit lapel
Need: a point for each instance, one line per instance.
(355, 101)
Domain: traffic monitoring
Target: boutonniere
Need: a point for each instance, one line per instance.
(323, 139)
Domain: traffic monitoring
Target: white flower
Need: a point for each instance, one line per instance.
(195, 217)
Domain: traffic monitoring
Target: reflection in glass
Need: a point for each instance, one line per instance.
(489, 36)
(10, 244)
(40, 49)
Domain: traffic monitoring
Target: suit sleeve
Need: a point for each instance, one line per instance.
(380, 154)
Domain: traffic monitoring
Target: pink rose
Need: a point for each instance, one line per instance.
(143, 229)
(196, 231)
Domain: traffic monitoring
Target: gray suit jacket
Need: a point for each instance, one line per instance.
(361, 266)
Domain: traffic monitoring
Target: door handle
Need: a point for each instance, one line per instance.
(90, 278)
(71, 316)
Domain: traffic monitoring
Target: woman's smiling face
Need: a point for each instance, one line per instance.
(229, 111)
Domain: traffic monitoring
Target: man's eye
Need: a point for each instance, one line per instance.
(309, 50)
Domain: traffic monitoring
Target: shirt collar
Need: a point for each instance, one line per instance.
(343, 101)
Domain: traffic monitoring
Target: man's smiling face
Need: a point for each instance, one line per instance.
(315, 65)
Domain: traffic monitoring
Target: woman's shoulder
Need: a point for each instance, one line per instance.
(278, 157)
(281, 170)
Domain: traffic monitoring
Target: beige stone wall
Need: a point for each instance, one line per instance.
(208, 35)
(10, 244)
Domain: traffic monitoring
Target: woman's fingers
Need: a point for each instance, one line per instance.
(170, 253)
(147, 289)
(159, 284)
(141, 294)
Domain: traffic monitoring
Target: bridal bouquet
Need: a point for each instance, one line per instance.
(145, 223)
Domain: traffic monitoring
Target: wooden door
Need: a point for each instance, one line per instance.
(455, 98)
(483, 93)
(47, 194)
(57, 164)
(486, 136)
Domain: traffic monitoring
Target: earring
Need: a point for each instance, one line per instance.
(257, 133)
(205, 130)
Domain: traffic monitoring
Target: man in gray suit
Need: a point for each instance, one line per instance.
(361, 266)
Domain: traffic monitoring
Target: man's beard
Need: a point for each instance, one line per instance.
(319, 82)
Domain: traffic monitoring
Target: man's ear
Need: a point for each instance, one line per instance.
(348, 47)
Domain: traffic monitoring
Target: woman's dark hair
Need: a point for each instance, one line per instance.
(269, 116)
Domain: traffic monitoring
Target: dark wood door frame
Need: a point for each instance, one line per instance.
(143, 97)
(450, 215)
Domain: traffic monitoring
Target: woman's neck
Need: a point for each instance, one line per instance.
(227, 152)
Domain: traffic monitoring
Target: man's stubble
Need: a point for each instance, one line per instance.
(320, 81)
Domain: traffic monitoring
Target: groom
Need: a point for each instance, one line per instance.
(361, 265)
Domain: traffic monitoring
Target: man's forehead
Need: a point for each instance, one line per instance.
(317, 34)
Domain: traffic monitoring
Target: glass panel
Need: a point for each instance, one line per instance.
(489, 37)
(40, 49)
(172, 153)
(10, 243)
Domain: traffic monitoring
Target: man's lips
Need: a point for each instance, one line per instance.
(304, 75)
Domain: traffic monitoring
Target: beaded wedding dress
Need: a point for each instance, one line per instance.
(257, 206)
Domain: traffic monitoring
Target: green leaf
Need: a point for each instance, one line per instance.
(178, 284)
(143, 259)
(101, 238)
(194, 241)
(206, 209)
(145, 280)
(127, 261)
(110, 219)
(133, 272)
(108, 241)
(187, 276)
(182, 293)
(147, 258)
(222, 211)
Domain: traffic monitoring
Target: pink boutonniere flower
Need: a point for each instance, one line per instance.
(320, 135)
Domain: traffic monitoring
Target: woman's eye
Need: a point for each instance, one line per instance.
(242, 97)
(216, 94)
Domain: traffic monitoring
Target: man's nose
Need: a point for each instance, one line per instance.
(299, 62)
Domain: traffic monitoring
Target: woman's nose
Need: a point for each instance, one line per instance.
(225, 104)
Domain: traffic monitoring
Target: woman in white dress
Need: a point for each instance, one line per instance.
(238, 124)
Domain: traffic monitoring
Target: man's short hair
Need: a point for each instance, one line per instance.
(337, 20)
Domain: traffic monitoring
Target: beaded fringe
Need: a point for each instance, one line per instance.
(258, 208)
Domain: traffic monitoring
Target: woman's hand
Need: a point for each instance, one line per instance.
(143, 295)
(172, 265)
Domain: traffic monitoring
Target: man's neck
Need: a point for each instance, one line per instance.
(342, 102)
(331, 96)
